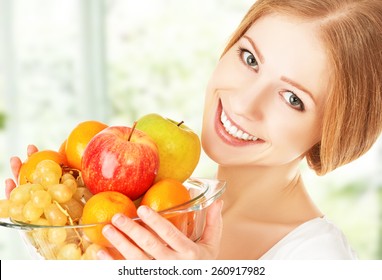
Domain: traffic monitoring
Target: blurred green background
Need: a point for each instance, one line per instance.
(66, 61)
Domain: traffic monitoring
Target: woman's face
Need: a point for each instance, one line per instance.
(264, 102)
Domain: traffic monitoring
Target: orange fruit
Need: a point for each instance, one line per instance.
(168, 193)
(165, 194)
(61, 150)
(29, 166)
(78, 139)
(100, 208)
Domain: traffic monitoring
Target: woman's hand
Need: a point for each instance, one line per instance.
(143, 244)
(16, 163)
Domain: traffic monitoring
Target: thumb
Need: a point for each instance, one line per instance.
(214, 225)
(15, 163)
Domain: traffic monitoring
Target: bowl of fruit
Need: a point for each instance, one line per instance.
(64, 198)
(58, 231)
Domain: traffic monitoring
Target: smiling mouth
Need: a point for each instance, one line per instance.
(234, 131)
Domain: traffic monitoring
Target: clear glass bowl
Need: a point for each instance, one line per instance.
(188, 217)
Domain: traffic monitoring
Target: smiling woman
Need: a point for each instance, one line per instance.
(312, 111)
(116, 60)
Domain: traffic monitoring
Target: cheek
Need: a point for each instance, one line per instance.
(294, 138)
(228, 74)
(209, 141)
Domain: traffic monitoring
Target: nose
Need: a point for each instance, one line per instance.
(252, 99)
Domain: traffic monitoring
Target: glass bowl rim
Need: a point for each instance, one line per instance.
(212, 190)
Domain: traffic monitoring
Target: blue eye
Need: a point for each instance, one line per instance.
(293, 100)
(248, 58)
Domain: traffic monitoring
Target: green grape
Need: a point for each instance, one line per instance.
(16, 212)
(67, 176)
(60, 192)
(26, 186)
(4, 208)
(71, 183)
(74, 208)
(20, 194)
(49, 178)
(36, 178)
(31, 212)
(55, 216)
(41, 198)
(57, 235)
(49, 166)
(72, 236)
(35, 187)
(91, 251)
(42, 222)
(69, 251)
(40, 239)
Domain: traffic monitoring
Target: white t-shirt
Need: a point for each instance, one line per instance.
(317, 239)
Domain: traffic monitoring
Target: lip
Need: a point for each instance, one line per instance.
(225, 136)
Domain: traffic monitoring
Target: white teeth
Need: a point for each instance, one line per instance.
(223, 117)
(239, 134)
(235, 131)
(232, 130)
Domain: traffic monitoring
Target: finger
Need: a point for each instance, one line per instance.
(167, 232)
(214, 225)
(145, 239)
(15, 163)
(9, 186)
(103, 255)
(128, 250)
(31, 149)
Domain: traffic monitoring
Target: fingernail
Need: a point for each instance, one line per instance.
(143, 211)
(118, 219)
(108, 231)
(13, 158)
(102, 255)
(30, 150)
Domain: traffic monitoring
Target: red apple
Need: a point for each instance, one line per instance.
(120, 159)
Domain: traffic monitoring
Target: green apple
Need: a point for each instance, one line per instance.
(179, 147)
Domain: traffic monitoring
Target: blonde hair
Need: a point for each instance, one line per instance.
(352, 33)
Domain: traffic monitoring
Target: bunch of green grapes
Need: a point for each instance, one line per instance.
(43, 198)
(53, 199)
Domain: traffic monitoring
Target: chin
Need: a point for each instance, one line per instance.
(219, 152)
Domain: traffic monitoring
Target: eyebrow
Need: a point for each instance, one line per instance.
(261, 57)
(283, 78)
(297, 85)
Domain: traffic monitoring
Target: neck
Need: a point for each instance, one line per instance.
(263, 191)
